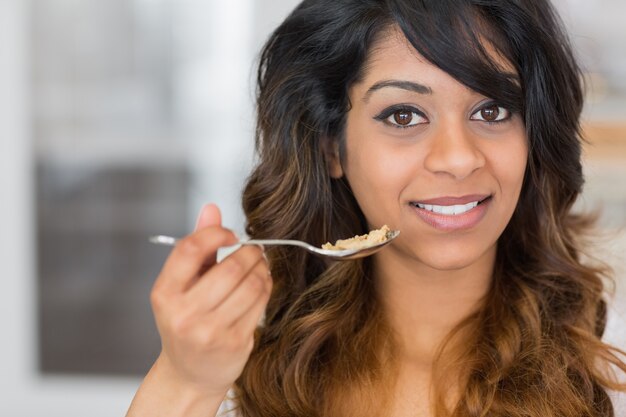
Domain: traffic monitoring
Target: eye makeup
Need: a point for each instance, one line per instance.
(401, 116)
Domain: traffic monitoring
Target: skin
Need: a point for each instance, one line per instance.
(429, 279)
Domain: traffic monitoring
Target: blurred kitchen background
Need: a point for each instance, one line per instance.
(119, 119)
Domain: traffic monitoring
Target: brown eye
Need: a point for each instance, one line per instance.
(403, 117)
(490, 114)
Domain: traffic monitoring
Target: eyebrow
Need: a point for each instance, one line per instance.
(404, 85)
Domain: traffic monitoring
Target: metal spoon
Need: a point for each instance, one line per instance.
(340, 255)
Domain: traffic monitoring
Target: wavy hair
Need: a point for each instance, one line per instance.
(535, 348)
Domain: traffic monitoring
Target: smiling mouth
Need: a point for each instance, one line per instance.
(450, 210)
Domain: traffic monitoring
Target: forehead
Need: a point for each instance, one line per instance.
(392, 52)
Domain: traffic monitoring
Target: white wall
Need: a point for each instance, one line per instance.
(22, 391)
(214, 111)
(16, 256)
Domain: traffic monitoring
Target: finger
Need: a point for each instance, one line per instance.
(190, 256)
(241, 332)
(252, 288)
(220, 281)
(210, 215)
(251, 319)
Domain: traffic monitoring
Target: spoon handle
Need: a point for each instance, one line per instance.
(171, 241)
(163, 240)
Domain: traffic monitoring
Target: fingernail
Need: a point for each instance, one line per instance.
(199, 218)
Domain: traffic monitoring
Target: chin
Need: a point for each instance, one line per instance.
(454, 264)
(451, 260)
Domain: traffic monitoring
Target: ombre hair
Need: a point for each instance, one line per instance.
(535, 348)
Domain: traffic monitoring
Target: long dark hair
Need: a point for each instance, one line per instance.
(536, 340)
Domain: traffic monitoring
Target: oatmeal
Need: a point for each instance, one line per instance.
(374, 237)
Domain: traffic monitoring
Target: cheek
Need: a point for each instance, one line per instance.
(378, 172)
(380, 162)
(515, 164)
(371, 171)
(510, 165)
(376, 156)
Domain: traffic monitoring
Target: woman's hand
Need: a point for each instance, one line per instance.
(206, 313)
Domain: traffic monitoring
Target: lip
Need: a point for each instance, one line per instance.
(452, 223)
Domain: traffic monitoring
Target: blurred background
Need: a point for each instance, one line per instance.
(118, 120)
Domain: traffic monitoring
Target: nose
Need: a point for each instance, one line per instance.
(454, 152)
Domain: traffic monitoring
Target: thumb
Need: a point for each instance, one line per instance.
(209, 216)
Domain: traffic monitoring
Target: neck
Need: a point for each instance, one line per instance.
(424, 304)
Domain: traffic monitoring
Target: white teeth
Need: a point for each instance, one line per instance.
(449, 210)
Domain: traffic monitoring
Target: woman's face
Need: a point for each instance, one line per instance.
(428, 156)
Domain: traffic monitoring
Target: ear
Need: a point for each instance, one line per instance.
(330, 149)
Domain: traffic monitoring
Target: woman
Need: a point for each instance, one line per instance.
(453, 121)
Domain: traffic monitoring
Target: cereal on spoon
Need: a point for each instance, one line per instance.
(373, 238)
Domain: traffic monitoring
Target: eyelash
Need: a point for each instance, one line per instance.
(390, 111)
(499, 106)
